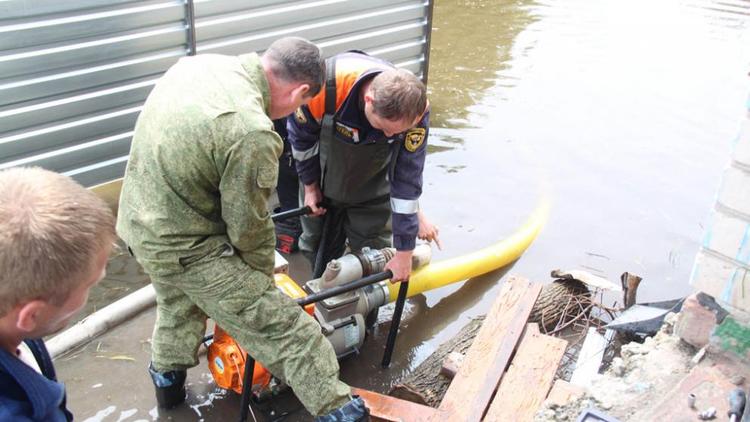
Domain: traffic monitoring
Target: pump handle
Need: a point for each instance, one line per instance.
(290, 213)
(347, 287)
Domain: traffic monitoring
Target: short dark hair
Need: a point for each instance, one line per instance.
(295, 59)
(398, 95)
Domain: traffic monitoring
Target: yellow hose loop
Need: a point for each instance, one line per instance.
(500, 254)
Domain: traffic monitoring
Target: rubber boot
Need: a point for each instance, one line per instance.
(354, 411)
(169, 386)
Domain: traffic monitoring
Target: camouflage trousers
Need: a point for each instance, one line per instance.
(265, 322)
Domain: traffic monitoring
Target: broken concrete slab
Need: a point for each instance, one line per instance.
(563, 392)
(710, 388)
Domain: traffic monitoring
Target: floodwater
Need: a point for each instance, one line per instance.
(621, 113)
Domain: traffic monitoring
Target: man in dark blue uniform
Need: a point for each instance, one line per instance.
(288, 230)
(360, 147)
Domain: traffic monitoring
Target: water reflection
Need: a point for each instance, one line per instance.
(629, 107)
(471, 45)
(442, 139)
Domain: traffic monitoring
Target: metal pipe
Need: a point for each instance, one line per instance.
(354, 285)
(247, 387)
(190, 23)
(319, 265)
(102, 320)
(395, 322)
(428, 41)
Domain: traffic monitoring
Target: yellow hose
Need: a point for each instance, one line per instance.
(500, 254)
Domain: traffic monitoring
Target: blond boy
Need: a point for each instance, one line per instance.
(55, 238)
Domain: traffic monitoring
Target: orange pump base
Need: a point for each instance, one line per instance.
(226, 358)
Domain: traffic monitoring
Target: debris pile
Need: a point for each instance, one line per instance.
(566, 308)
(633, 379)
(694, 368)
(680, 359)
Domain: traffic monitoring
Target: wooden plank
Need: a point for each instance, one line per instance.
(470, 392)
(391, 409)
(424, 385)
(528, 379)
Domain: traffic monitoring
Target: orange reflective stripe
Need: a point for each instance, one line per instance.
(348, 71)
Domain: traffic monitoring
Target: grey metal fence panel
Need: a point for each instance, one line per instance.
(335, 25)
(108, 20)
(48, 84)
(34, 9)
(73, 77)
(29, 142)
(74, 74)
(86, 103)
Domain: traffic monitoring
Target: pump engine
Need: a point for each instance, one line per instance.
(343, 318)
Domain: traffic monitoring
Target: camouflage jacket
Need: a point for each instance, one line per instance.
(203, 162)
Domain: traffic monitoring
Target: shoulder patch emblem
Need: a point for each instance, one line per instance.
(299, 116)
(414, 138)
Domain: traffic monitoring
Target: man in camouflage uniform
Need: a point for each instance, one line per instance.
(193, 211)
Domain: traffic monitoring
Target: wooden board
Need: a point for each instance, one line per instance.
(472, 388)
(391, 409)
(424, 385)
(528, 379)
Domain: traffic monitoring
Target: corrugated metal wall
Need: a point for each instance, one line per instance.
(74, 74)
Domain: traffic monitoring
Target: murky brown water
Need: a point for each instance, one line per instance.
(622, 113)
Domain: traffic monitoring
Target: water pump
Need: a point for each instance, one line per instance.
(343, 318)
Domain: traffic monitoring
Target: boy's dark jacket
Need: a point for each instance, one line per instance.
(26, 395)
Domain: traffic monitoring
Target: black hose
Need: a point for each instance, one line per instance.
(319, 264)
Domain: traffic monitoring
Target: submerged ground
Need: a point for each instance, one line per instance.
(622, 113)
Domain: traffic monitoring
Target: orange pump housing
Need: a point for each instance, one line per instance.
(226, 358)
